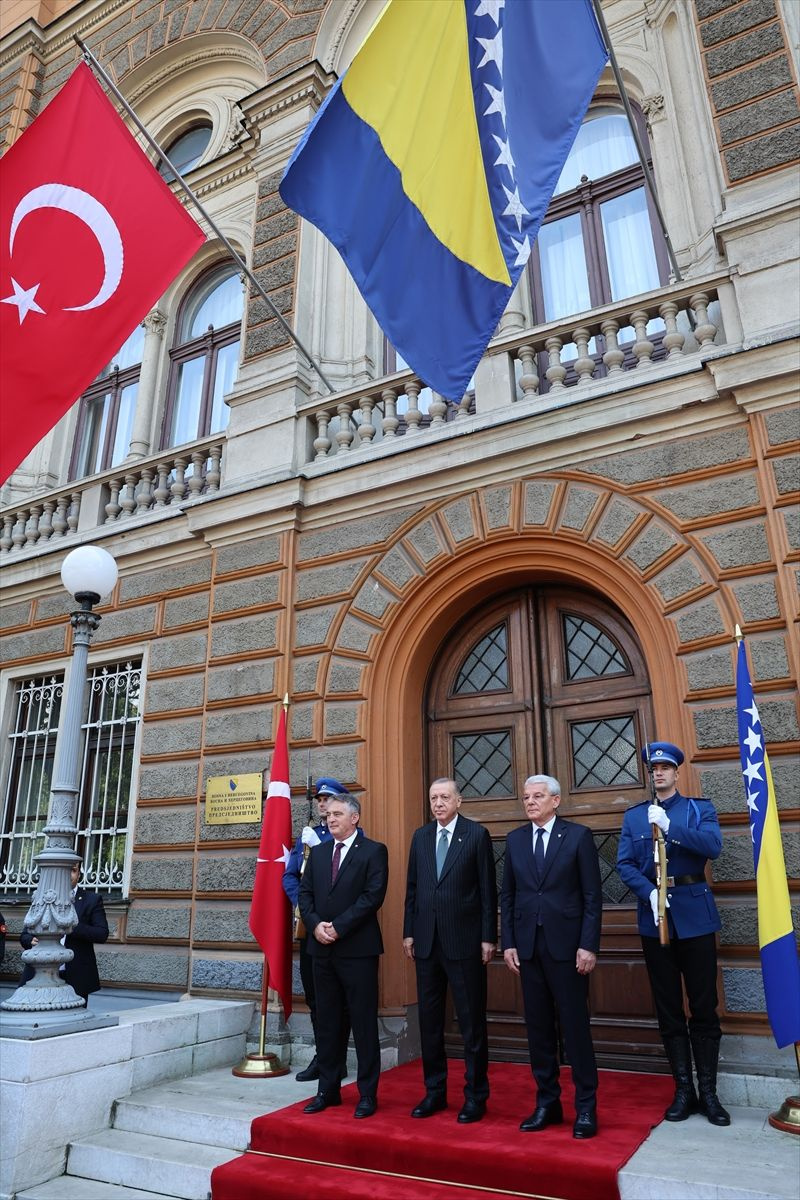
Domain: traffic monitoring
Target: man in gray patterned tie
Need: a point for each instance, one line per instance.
(450, 930)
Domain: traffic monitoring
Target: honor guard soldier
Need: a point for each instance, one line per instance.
(692, 837)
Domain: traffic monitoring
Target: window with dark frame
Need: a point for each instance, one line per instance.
(186, 150)
(205, 357)
(107, 407)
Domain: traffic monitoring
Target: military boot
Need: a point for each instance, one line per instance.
(684, 1102)
(706, 1057)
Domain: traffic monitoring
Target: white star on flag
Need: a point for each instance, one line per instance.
(490, 8)
(516, 208)
(505, 158)
(523, 249)
(752, 741)
(284, 858)
(753, 711)
(751, 801)
(498, 104)
(752, 770)
(492, 50)
(24, 298)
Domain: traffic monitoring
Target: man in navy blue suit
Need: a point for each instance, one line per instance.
(551, 905)
(692, 836)
(450, 929)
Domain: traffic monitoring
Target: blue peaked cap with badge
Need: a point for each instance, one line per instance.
(328, 786)
(662, 752)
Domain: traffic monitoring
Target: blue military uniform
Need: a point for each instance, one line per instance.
(691, 839)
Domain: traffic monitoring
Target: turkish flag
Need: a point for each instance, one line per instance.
(90, 237)
(271, 912)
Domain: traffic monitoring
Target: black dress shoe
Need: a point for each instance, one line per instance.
(542, 1116)
(308, 1073)
(320, 1103)
(473, 1110)
(585, 1125)
(366, 1107)
(430, 1105)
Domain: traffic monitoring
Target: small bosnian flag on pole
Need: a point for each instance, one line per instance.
(780, 965)
(270, 912)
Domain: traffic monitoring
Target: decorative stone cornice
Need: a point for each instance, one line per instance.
(310, 83)
(653, 109)
(50, 42)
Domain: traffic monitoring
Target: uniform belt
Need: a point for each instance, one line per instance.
(680, 880)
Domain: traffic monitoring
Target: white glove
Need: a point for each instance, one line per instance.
(657, 816)
(309, 836)
(654, 904)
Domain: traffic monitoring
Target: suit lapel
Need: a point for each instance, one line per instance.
(454, 849)
(346, 861)
(555, 842)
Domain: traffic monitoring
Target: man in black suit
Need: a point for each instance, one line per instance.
(343, 887)
(449, 930)
(91, 929)
(551, 906)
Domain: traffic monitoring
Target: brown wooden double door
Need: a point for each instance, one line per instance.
(552, 681)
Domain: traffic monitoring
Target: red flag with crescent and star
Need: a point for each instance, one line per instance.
(90, 237)
(271, 912)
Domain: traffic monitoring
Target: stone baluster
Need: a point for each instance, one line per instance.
(161, 493)
(465, 404)
(73, 515)
(642, 348)
(18, 532)
(60, 517)
(113, 508)
(673, 338)
(437, 410)
(6, 540)
(214, 472)
(32, 527)
(322, 443)
(197, 477)
(584, 364)
(366, 430)
(144, 500)
(390, 419)
(555, 372)
(529, 379)
(705, 330)
(154, 325)
(344, 434)
(46, 523)
(613, 357)
(178, 485)
(128, 496)
(414, 413)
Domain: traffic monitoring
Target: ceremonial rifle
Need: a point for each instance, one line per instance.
(659, 857)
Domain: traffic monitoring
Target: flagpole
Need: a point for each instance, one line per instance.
(648, 175)
(241, 264)
(261, 1065)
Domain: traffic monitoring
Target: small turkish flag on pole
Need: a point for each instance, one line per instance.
(90, 237)
(270, 912)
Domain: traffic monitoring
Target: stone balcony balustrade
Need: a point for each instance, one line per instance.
(621, 346)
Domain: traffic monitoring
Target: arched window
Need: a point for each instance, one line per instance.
(186, 150)
(600, 240)
(204, 358)
(105, 421)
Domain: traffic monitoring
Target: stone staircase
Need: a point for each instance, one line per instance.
(164, 1141)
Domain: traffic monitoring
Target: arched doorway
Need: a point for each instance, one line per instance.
(551, 679)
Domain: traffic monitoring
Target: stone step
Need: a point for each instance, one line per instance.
(191, 1120)
(70, 1187)
(180, 1170)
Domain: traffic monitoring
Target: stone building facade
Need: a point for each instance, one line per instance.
(636, 490)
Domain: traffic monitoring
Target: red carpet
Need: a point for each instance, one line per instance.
(392, 1157)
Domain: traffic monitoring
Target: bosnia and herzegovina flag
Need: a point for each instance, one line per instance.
(433, 160)
(780, 965)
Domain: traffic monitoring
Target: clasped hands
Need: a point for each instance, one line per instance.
(585, 961)
(325, 933)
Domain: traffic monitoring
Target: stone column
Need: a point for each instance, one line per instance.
(154, 325)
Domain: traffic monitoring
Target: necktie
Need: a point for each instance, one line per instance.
(337, 858)
(538, 851)
(441, 851)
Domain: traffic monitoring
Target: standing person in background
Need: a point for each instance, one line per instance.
(450, 929)
(552, 904)
(91, 929)
(312, 835)
(692, 836)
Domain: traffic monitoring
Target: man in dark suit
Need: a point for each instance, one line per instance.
(91, 929)
(342, 889)
(449, 930)
(551, 905)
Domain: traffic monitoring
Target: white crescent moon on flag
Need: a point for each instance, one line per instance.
(97, 218)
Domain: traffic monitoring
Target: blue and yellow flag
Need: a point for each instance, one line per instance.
(780, 965)
(432, 162)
